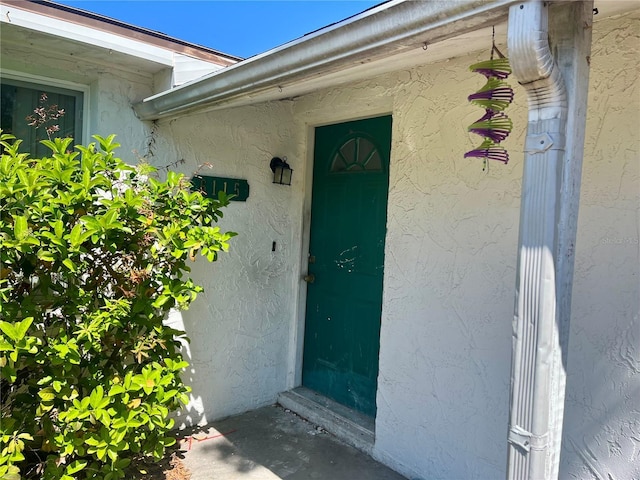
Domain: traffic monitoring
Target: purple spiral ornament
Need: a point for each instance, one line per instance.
(495, 96)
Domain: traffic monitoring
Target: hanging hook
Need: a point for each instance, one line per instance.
(493, 40)
(494, 49)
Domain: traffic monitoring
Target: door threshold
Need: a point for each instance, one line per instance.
(352, 427)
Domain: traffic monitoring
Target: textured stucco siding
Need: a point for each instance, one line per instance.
(449, 283)
(452, 233)
(449, 279)
(450, 273)
(450, 259)
(240, 326)
(602, 408)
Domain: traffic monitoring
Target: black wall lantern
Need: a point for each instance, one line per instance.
(281, 171)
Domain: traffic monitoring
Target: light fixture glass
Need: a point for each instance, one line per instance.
(281, 171)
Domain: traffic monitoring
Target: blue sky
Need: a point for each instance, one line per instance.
(241, 28)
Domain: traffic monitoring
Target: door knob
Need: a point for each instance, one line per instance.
(310, 278)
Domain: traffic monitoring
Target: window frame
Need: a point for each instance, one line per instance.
(361, 171)
(39, 81)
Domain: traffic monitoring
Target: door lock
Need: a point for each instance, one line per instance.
(309, 278)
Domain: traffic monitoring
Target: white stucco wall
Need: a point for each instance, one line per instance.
(450, 272)
(450, 258)
(240, 327)
(449, 280)
(452, 233)
(602, 408)
(449, 269)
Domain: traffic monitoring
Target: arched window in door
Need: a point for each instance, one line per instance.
(356, 154)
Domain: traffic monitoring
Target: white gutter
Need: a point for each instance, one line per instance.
(392, 27)
(548, 218)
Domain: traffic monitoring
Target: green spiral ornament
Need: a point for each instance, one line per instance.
(495, 96)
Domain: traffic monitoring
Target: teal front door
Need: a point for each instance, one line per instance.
(346, 258)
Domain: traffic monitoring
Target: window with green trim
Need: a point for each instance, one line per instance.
(44, 107)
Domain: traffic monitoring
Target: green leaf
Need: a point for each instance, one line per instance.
(46, 255)
(86, 179)
(112, 455)
(20, 227)
(116, 390)
(69, 264)
(73, 395)
(76, 235)
(109, 218)
(160, 301)
(22, 327)
(107, 144)
(4, 345)
(10, 330)
(168, 441)
(95, 399)
(9, 472)
(47, 394)
(91, 223)
(58, 228)
(93, 441)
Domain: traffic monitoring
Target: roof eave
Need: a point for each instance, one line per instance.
(56, 12)
(390, 28)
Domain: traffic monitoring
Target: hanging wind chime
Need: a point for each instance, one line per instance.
(495, 96)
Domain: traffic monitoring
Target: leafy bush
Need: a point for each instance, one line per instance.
(93, 255)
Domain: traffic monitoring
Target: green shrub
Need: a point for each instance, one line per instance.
(93, 256)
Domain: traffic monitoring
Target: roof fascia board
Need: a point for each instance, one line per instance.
(86, 35)
(99, 22)
(390, 28)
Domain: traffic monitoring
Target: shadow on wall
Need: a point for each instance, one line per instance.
(193, 413)
(237, 351)
(602, 423)
(604, 447)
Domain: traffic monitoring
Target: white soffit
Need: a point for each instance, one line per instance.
(11, 15)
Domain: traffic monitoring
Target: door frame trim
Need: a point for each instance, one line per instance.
(313, 121)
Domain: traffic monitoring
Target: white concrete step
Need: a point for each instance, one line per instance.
(352, 427)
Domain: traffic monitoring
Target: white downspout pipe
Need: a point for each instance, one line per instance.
(548, 215)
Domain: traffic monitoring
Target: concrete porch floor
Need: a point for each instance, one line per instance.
(272, 443)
